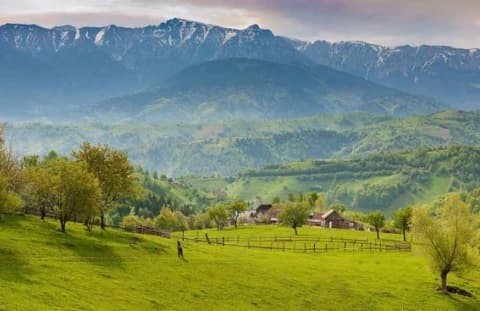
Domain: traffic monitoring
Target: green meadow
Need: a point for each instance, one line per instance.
(44, 269)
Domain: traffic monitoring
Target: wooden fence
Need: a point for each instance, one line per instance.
(304, 244)
(139, 229)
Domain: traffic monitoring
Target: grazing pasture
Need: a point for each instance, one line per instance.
(44, 269)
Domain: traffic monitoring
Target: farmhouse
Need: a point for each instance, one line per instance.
(332, 219)
(267, 213)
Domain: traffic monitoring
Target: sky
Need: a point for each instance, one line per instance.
(386, 22)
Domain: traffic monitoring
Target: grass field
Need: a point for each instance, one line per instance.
(43, 269)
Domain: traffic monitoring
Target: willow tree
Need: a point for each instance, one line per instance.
(450, 240)
(113, 171)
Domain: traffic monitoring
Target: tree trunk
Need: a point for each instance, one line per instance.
(235, 222)
(42, 213)
(444, 281)
(295, 229)
(63, 221)
(378, 233)
(404, 236)
(102, 220)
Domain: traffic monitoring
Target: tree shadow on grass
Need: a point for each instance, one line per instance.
(465, 303)
(88, 250)
(134, 241)
(14, 267)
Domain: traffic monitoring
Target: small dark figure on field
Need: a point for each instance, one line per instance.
(179, 249)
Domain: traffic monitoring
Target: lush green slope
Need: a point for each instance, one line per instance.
(43, 269)
(231, 147)
(384, 181)
(247, 89)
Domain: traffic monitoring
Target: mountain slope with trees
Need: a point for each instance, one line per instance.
(243, 89)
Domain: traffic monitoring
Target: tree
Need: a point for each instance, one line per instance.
(10, 178)
(402, 219)
(113, 171)
(320, 203)
(166, 219)
(450, 240)
(235, 209)
(40, 184)
(77, 191)
(377, 220)
(312, 198)
(294, 215)
(338, 207)
(130, 223)
(9, 200)
(31, 161)
(219, 215)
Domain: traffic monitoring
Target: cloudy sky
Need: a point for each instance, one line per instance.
(388, 22)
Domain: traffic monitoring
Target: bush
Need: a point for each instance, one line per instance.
(130, 223)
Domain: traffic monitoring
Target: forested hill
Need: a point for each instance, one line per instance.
(231, 147)
(384, 181)
(249, 89)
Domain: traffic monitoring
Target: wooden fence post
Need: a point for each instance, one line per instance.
(314, 248)
(223, 241)
(326, 247)
(206, 237)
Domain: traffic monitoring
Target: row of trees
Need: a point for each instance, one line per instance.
(82, 187)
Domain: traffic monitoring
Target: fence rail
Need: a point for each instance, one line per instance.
(304, 244)
(139, 229)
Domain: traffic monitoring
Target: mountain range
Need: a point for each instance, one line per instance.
(60, 71)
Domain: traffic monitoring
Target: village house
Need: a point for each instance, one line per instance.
(332, 219)
(268, 213)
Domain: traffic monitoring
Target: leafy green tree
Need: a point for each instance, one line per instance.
(10, 178)
(338, 207)
(450, 240)
(295, 215)
(276, 200)
(51, 156)
(377, 220)
(113, 171)
(312, 198)
(166, 220)
(473, 200)
(77, 191)
(40, 185)
(402, 219)
(235, 209)
(219, 215)
(130, 223)
(9, 200)
(31, 161)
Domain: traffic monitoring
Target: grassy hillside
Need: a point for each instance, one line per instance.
(231, 147)
(384, 181)
(43, 269)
